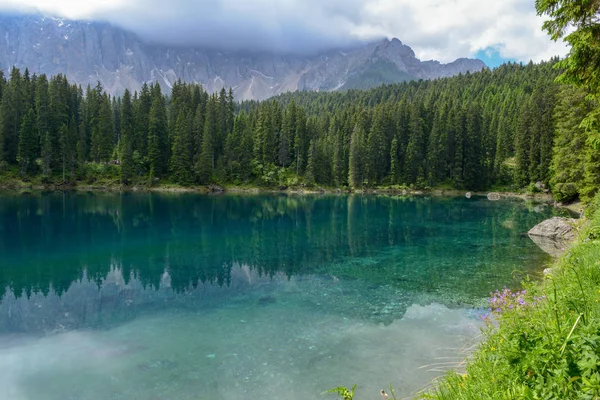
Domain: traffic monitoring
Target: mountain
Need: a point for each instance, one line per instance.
(88, 52)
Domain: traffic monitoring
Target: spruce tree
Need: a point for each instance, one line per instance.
(27, 143)
(569, 162)
(181, 160)
(310, 166)
(157, 132)
(126, 143)
(416, 148)
(523, 145)
(356, 167)
(11, 110)
(205, 165)
(473, 172)
(394, 162)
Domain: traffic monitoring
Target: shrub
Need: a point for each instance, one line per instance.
(543, 342)
(565, 192)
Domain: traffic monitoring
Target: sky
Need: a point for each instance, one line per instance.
(443, 30)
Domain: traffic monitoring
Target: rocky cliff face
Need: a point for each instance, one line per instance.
(88, 52)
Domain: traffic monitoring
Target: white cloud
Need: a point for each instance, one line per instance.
(73, 9)
(446, 29)
(435, 29)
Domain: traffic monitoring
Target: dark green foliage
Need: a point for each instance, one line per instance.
(181, 159)
(310, 166)
(568, 163)
(357, 168)
(157, 134)
(541, 343)
(416, 149)
(27, 143)
(472, 132)
(11, 110)
(127, 138)
(68, 149)
(206, 163)
(236, 150)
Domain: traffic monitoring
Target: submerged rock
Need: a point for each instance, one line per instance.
(157, 364)
(216, 189)
(263, 301)
(553, 235)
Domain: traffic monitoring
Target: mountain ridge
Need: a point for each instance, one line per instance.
(88, 52)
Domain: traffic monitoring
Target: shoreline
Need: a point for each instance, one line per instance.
(563, 304)
(217, 189)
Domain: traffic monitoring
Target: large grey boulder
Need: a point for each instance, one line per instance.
(553, 235)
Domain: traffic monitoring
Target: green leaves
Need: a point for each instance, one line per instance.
(343, 392)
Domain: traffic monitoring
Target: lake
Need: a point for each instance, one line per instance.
(186, 296)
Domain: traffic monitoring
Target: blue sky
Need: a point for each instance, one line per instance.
(492, 57)
(436, 29)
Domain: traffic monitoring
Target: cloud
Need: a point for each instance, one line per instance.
(435, 29)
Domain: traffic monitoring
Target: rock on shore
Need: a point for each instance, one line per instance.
(553, 235)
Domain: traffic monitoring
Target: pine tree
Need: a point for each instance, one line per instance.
(310, 166)
(377, 164)
(181, 159)
(205, 164)
(103, 133)
(394, 162)
(523, 145)
(27, 143)
(68, 149)
(568, 162)
(473, 173)
(300, 145)
(198, 131)
(288, 127)
(339, 173)
(11, 109)
(157, 132)
(356, 169)
(416, 148)
(141, 109)
(126, 142)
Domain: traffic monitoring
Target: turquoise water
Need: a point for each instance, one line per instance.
(184, 296)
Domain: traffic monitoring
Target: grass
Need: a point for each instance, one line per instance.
(543, 343)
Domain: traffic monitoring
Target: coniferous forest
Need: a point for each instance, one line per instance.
(507, 128)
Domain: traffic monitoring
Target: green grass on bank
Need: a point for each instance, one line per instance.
(545, 343)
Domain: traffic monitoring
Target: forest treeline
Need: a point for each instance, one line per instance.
(510, 127)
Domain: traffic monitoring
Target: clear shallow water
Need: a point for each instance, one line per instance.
(157, 296)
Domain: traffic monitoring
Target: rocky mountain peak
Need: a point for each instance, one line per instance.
(88, 52)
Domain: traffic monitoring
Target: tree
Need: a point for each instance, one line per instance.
(416, 148)
(523, 145)
(11, 109)
(157, 132)
(206, 162)
(310, 166)
(568, 162)
(473, 171)
(141, 109)
(181, 159)
(285, 137)
(27, 143)
(127, 139)
(577, 23)
(68, 149)
(378, 148)
(338, 167)
(394, 162)
(356, 169)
